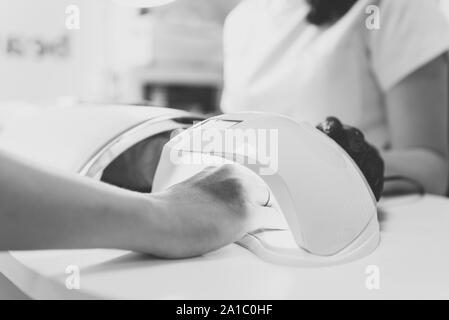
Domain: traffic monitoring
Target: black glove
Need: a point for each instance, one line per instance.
(365, 155)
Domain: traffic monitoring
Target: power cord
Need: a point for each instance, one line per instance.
(419, 188)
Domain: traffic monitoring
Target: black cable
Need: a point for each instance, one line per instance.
(416, 184)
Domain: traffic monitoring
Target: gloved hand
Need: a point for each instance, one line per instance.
(365, 155)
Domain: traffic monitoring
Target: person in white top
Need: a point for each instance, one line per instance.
(379, 65)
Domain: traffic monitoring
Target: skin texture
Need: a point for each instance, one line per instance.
(216, 207)
(44, 209)
(417, 113)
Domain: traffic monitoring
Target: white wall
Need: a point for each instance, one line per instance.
(445, 6)
(110, 41)
(75, 71)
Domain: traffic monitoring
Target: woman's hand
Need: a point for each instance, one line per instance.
(214, 208)
(41, 208)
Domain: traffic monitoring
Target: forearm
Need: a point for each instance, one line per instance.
(40, 209)
(427, 167)
(417, 118)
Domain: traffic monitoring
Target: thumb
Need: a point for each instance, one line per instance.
(256, 188)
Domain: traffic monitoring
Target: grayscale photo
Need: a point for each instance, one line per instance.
(224, 156)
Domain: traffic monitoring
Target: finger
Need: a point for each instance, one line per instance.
(203, 173)
(257, 188)
(260, 194)
(264, 218)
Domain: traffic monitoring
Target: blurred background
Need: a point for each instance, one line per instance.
(163, 56)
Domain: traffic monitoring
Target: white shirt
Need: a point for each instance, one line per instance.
(276, 61)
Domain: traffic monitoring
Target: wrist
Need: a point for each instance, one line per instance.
(145, 226)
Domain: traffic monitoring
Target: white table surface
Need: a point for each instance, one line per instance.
(413, 260)
(8, 291)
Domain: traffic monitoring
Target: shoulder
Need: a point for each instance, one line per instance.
(429, 11)
(410, 34)
(408, 4)
(411, 19)
(400, 11)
